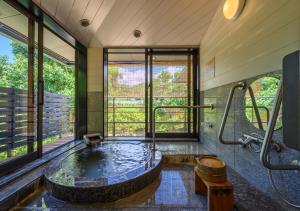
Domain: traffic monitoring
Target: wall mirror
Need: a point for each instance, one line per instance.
(264, 89)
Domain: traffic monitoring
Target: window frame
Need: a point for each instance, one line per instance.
(34, 14)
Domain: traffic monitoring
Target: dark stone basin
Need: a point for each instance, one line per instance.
(106, 173)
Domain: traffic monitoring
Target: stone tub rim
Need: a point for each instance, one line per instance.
(117, 189)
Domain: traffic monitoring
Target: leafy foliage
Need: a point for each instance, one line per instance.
(58, 77)
(265, 89)
(127, 106)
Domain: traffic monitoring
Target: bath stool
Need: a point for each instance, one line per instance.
(220, 195)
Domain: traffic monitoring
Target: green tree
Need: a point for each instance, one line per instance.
(59, 78)
(3, 66)
(16, 72)
(164, 77)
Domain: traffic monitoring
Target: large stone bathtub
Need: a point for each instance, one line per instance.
(106, 173)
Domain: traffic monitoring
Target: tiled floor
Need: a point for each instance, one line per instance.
(174, 190)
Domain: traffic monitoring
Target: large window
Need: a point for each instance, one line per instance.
(126, 93)
(17, 86)
(138, 80)
(172, 84)
(37, 87)
(59, 92)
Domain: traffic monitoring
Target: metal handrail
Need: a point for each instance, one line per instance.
(264, 154)
(242, 86)
(226, 112)
(250, 90)
(113, 110)
(211, 106)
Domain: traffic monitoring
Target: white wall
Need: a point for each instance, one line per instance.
(253, 44)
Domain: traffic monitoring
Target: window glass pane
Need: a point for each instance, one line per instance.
(126, 94)
(171, 81)
(17, 103)
(59, 92)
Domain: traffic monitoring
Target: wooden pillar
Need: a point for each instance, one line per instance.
(11, 119)
(30, 88)
(189, 90)
(40, 90)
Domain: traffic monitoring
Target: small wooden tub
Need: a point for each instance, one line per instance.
(211, 169)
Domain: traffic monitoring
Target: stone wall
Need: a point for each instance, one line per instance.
(95, 90)
(244, 161)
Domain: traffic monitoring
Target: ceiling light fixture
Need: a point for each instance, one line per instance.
(84, 22)
(233, 8)
(137, 33)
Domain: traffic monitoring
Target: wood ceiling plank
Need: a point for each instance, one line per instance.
(136, 22)
(133, 16)
(197, 21)
(50, 6)
(77, 11)
(130, 12)
(64, 9)
(72, 21)
(185, 14)
(111, 20)
(104, 10)
(92, 9)
(153, 19)
(90, 12)
(163, 22)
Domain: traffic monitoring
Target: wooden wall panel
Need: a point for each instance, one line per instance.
(253, 44)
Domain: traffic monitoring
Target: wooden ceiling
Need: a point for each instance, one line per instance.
(162, 22)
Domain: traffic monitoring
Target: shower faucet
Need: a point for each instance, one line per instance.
(254, 142)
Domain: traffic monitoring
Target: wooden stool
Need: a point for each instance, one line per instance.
(220, 195)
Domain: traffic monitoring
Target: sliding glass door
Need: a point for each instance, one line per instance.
(18, 85)
(125, 95)
(40, 65)
(172, 83)
(59, 91)
(138, 80)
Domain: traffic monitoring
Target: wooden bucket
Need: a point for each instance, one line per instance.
(211, 169)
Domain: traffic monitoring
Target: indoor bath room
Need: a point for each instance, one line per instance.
(151, 105)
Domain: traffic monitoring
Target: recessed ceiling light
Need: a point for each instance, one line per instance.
(137, 33)
(84, 22)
